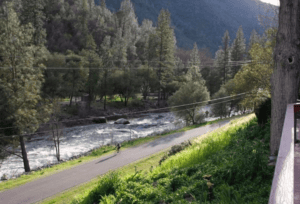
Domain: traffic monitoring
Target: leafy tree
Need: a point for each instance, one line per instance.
(75, 76)
(148, 80)
(238, 50)
(53, 87)
(255, 76)
(254, 38)
(220, 108)
(21, 82)
(191, 92)
(126, 84)
(92, 61)
(104, 87)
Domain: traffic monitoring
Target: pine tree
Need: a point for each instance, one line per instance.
(106, 52)
(103, 4)
(254, 38)
(227, 55)
(238, 50)
(164, 50)
(21, 82)
(194, 57)
(32, 12)
(92, 61)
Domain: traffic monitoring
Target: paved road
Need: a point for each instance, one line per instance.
(48, 186)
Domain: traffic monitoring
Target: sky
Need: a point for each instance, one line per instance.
(274, 2)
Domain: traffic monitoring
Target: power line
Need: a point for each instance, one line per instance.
(26, 135)
(151, 110)
(233, 63)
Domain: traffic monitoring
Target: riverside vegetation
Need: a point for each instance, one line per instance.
(95, 154)
(228, 165)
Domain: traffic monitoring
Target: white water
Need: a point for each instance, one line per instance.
(81, 139)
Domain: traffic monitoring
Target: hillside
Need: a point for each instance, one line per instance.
(202, 21)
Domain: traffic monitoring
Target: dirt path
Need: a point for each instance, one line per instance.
(45, 187)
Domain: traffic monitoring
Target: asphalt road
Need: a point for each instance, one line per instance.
(48, 186)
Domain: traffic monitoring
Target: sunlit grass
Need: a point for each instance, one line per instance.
(235, 158)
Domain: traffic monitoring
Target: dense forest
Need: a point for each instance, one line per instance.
(205, 21)
(53, 49)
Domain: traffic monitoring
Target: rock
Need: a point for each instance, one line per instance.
(122, 121)
(159, 117)
(100, 120)
(4, 177)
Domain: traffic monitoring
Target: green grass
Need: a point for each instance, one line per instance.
(235, 157)
(102, 151)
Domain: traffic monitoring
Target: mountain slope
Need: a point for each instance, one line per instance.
(201, 21)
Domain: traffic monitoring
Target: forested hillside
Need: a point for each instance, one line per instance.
(203, 22)
(52, 50)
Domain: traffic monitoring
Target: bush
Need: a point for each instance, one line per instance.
(263, 112)
(175, 149)
(136, 103)
(73, 110)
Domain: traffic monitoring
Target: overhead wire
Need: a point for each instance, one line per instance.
(33, 134)
(131, 113)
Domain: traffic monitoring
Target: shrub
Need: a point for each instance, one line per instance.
(263, 112)
(175, 149)
(107, 185)
(73, 110)
(136, 103)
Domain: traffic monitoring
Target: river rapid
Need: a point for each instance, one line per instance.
(81, 139)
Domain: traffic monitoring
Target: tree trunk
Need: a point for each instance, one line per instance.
(105, 102)
(24, 154)
(71, 98)
(285, 77)
(125, 101)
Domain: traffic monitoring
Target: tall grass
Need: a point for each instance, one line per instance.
(229, 166)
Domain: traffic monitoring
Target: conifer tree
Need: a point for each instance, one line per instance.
(20, 81)
(254, 38)
(238, 50)
(92, 62)
(227, 55)
(104, 86)
(164, 50)
(32, 12)
(194, 57)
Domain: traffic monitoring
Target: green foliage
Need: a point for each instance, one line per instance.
(238, 50)
(263, 112)
(238, 174)
(20, 81)
(220, 108)
(191, 92)
(75, 76)
(255, 77)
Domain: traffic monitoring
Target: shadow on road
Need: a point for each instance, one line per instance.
(106, 158)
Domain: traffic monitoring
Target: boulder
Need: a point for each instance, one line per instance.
(4, 177)
(100, 120)
(122, 121)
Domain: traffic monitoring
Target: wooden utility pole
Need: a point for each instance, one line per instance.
(285, 77)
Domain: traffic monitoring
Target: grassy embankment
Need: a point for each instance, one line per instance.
(235, 156)
(96, 154)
